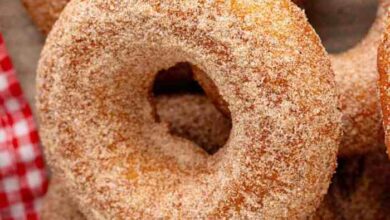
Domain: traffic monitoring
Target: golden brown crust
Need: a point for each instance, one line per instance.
(44, 12)
(384, 82)
(99, 129)
(359, 190)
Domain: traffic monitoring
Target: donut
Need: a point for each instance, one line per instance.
(384, 83)
(356, 77)
(190, 116)
(45, 12)
(100, 131)
(360, 189)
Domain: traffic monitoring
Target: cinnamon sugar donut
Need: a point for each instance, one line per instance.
(359, 190)
(44, 13)
(190, 116)
(100, 131)
(384, 82)
(356, 78)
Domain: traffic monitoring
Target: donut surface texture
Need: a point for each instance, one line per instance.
(359, 190)
(356, 78)
(189, 116)
(384, 83)
(44, 13)
(100, 130)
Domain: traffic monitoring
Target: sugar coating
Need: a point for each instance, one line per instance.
(358, 191)
(44, 12)
(190, 116)
(384, 81)
(100, 131)
(356, 78)
(355, 70)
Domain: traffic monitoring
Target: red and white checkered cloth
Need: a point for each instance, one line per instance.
(23, 179)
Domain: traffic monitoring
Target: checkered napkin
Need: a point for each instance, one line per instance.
(23, 179)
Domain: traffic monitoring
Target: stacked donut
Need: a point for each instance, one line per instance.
(261, 144)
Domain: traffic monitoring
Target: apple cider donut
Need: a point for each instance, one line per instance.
(44, 13)
(190, 116)
(384, 82)
(361, 112)
(356, 77)
(99, 126)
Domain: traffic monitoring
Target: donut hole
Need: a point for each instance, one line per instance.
(181, 102)
(341, 24)
(175, 80)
